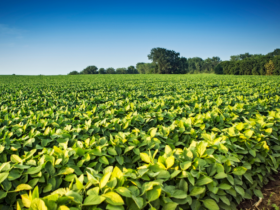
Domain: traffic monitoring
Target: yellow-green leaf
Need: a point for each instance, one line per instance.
(124, 192)
(197, 191)
(239, 170)
(154, 193)
(210, 204)
(153, 132)
(104, 179)
(23, 187)
(3, 176)
(169, 162)
(113, 198)
(38, 204)
(93, 200)
(185, 165)
(145, 157)
(203, 180)
(16, 159)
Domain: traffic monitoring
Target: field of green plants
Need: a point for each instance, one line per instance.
(116, 142)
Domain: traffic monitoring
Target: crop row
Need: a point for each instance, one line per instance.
(137, 142)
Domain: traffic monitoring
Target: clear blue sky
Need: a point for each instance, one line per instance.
(56, 37)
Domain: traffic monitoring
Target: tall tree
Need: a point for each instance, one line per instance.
(244, 56)
(234, 58)
(208, 65)
(183, 66)
(195, 64)
(140, 68)
(110, 70)
(274, 53)
(164, 67)
(276, 62)
(218, 69)
(132, 70)
(269, 67)
(167, 61)
(90, 70)
(102, 71)
(216, 60)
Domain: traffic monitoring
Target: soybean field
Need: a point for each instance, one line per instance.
(129, 142)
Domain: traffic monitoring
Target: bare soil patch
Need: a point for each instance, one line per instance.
(271, 200)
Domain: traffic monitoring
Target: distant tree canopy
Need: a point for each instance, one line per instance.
(146, 68)
(165, 61)
(110, 70)
(169, 62)
(121, 71)
(249, 64)
(73, 73)
(90, 70)
(102, 71)
(132, 70)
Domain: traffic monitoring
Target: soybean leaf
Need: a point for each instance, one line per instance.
(93, 200)
(210, 204)
(203, 180)
(197, 191)
(154, 193)
(239, 170)
(113, 198)
(38, 204)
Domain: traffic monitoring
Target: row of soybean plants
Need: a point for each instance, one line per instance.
(137, 142)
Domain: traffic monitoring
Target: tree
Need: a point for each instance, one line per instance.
(110, 70)
(146, 68)
(90, 70)
(73, 73)
(139, 67)
(276, 62)
(132, 70)
(167, 61)
(195, 64)
(244, 56)
(255, 71)
(234, 58)
(197, 67)
(218, 69)
(253, 64)
(269, 67)
(121, 71)
(183, 66)
(274, 53)
(102, 71)
(208, 65)
(164, 67)
(216, 60)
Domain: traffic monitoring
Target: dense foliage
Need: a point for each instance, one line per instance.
(247, 64)
(110, 70)
(169, 62)
(137, 141)
(163, 62)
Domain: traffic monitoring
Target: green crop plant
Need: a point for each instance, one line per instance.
(118, 142)
(275, 206)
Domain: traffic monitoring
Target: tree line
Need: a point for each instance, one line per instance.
(110, 70)
(251, 64)
(164, 61)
